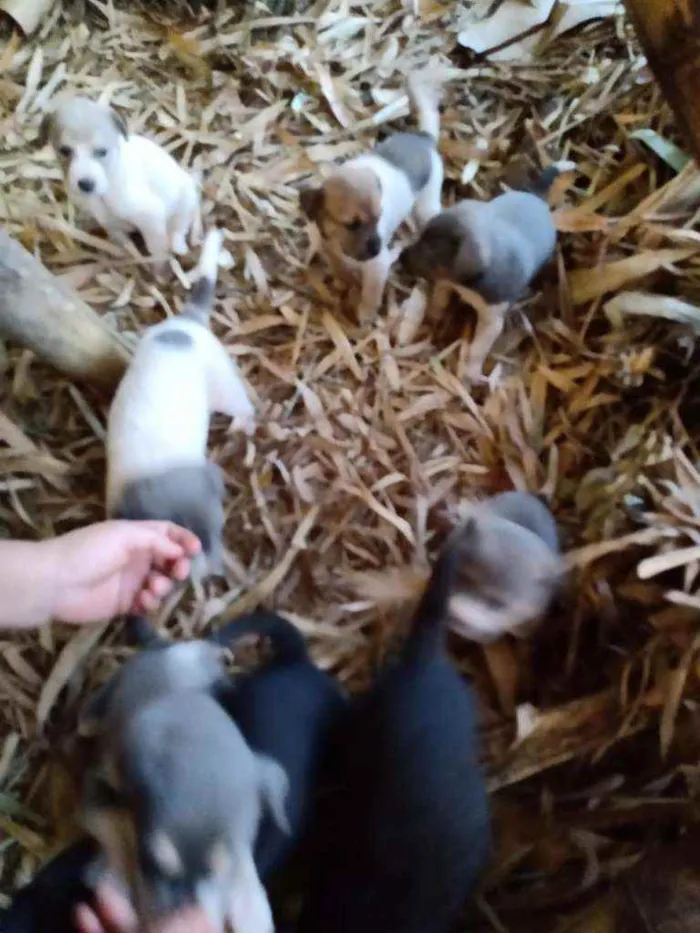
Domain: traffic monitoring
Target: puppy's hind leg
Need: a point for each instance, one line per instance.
(249, 908)
(153, 227)
(227, 391)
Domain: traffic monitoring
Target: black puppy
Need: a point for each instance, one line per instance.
(409, 828)
(48, 902)
(284, 710)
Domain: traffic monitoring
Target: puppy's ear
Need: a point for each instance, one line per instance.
(312, 200)
(46, 128)
(119, 123)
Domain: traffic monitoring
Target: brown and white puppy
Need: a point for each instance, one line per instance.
(361, 204)
(176, 796)
(125, 182)
(158, 424)
(494, 247)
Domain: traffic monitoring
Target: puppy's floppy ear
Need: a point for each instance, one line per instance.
(119, 123)
(46, 128)
(311, 200)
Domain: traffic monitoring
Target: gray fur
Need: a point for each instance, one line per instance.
(509, 566)
(200, 300)
(411, 153)
(190, 496)
(174, 337)
(495, 247)
(174, 770)
(529, 512)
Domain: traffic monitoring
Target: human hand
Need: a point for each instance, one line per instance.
(114, 914)
(114, 567)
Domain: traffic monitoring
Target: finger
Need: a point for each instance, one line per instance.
(115, 910)
(175, 536)
(180, 570)
(158, 585)
(86, 920)
(146, 602)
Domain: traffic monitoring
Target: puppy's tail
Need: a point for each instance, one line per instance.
(542, 185)
(427, 628)
(424, 89)
(201, 298)
(288, 644)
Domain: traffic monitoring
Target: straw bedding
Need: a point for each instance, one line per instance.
(370, 437)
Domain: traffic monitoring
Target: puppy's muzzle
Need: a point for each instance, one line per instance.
(86, 185)
(372, 248)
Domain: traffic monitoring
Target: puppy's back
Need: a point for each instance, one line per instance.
(410, 830)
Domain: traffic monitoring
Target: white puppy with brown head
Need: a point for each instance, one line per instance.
(125, 182)
(495, 248)
(158, 425)
(175, 795)
(361, 204)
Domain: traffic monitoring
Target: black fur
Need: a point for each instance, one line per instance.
(284, 709)
(408, 831)
(47, 904)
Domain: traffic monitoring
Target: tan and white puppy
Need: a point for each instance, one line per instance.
(158, 425)
(361, 204)
(494, 247)
(125, 182)
(175, 795)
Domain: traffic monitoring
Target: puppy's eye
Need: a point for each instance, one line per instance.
(65, 151)
(99, 153)
(354, 225)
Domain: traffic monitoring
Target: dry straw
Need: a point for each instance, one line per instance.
(370, 437)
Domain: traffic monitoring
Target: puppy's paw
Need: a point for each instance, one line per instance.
(246, 424)
(474, 373)
(366, 312)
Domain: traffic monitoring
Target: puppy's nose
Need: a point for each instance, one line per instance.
(87, 185)
(374, 246)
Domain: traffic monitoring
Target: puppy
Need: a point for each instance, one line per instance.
(408, 832)
(49, 900)
(176, 795)
(508, 567)
(285, 710)
(125, 182)
(159, 422)
(494, 247)
(360, 206)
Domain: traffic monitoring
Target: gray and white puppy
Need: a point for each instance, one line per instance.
(494, 247)
(124, 181)
(158, 423)
(176, 796)
(508, 568)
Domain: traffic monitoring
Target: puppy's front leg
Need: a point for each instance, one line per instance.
(488, 330)
(153, 227)
(375, 273)
(439, 299)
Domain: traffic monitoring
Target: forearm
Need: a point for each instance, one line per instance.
(26, 584)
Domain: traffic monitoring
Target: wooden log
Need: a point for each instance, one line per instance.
(669, 32)
(40, 312)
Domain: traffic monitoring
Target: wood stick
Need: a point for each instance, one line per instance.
(40, 312)
(669, 31)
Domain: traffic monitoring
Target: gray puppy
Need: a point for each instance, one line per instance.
(494, 247)
(176, 796)
(509, 567)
